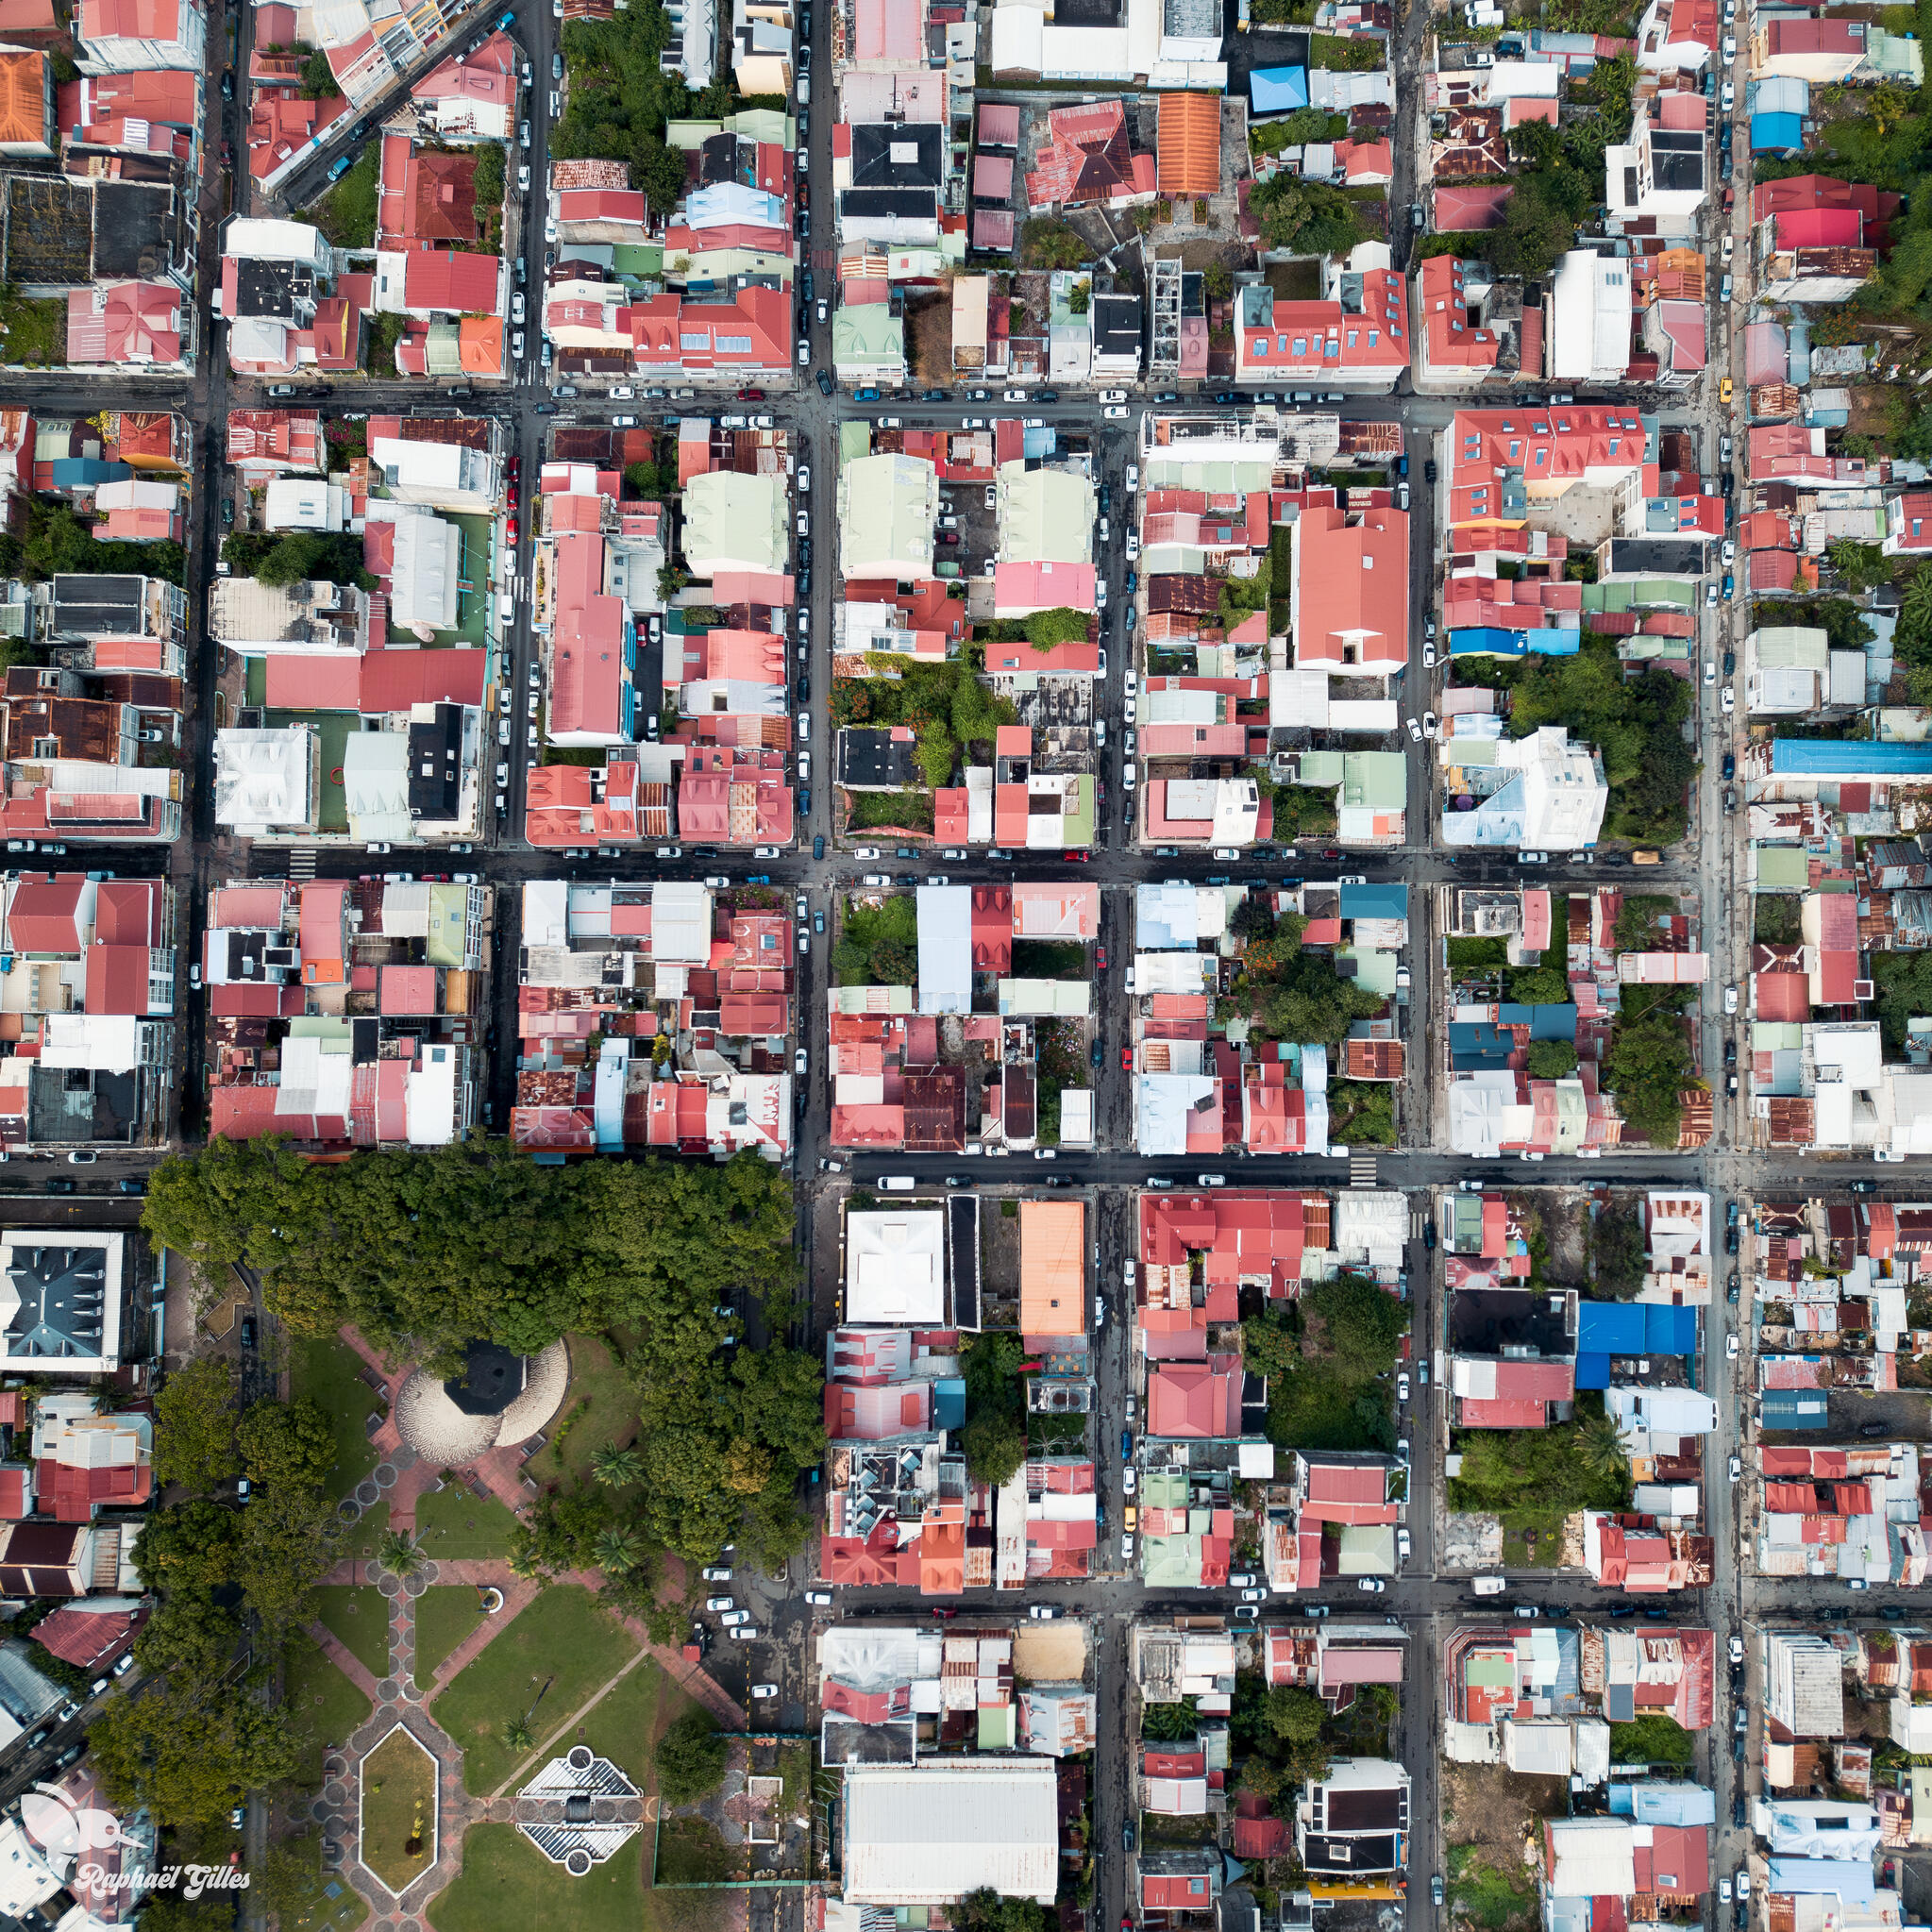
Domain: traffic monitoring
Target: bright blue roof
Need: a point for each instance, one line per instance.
(1592, 1371)
(1474, 1043)
(1793, 1408)
(85, 472)
(1486, 642)
(1834, 757)
(1614, 1328)
(1777, 130)
(1553, 1022)
(948, 1403)
(1390, 901)
(1277, 90)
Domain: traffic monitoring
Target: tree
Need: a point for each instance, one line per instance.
(1047, 242)
(1637, 917)
(286, 1445)
(287, 1540)
(1551, 1059)
(1218, 281)
(664, 178)
(188, 1633)
(516, 1736)
(1306, 217)
(644, 478)
(1360, 1323)
(318, 79)
(1904, 981)
(188, 1749)
(1598, 1447)
(1538, 986)
(194, 1431)
(995, 1447)
(1061, 625)
(490, 172)
(615, 1467)
(1616, 1247)
(987, 1910)
(401, 1553)
(1311, 1005)
(1295, 1715)
(189, 1548)
(1857, 567)
(1647, 1066)
(619, 1549)
(891, 964)
(691, 1758)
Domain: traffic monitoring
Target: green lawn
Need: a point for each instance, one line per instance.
(33, 330)
(454, 1523)
(506, 1881)
(546, 1661)
(332, 729)
(328, 1370)
(1517, 1551)
(326, 1705)
(399, 1809)
(356, 1615)
(623, 1726)
(325, 1901)
(597, 1379)
(361, 1537)
(690, 1852)
(445, 1614)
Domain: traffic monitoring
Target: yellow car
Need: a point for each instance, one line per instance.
(1724, 391)
(1130, 1517)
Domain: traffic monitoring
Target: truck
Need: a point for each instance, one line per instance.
(1489, 1586)
(897, 1183)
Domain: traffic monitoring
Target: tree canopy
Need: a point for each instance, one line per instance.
(297, 557)
(1648, 1065)
(691, 1758)
(194, 1427)
(1306, 217)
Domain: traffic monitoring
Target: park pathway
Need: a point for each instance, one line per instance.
(398, 1699)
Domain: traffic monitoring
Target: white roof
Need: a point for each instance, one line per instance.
(1161, 1105)
(895, 1267)
(423, 571)
(1593, 1858)
(931, 1833)
(545, 913)
(946, 948)
(261, 777)
(681, 922)
(273, 240)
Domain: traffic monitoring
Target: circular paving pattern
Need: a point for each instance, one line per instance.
(386, 1690)
(385, 1475)
(389, 1585)
(348, 1510)
(368, 1495)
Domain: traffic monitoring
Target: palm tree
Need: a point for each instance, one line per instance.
(615, 1467)
(1597, 1445)
(516, 1736)
(618, 1550)
(525, 1561)
(1915, 611)
(401, 1553)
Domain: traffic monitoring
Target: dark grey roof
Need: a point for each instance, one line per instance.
(905, 154)
(491, 1379)
(64, 1300)
(272, 288)
(96, 604)
(1115, 324)
(876, 759)
(1677, 160)
(436, 764)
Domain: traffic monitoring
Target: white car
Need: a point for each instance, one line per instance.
(1043, 1613)
(821, 1598)
(1210, 1180)
(1127, 1547)
(1133, 547)
(1416, 730)
(804, 478)
(764, 1690)
(1402, 1546)
(1401, 1387)
(732, 1619)
(1428, 657)
(1737, 1470)
(804, 523)
(1114, 412)
(1710, 671)
(717, 1573)
(1731, 1347)
(1131, 481)
(1113, 396)
(720, 1602)
(1128, 1480)
(745, 1633)
(1370, 1586)
(1429, 724)
(1254, 1596)
(1728, 700)
(1730, 1000)
(1013, 395)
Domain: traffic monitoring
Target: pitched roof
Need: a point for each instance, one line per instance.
(1189, 144)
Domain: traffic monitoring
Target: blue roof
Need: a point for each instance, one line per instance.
(1655, 1801)
(1615, 1328)
(1486, 642)
(1634, 1328)
(1556, 1021)
(1390, 901)
(1777, 130)
(1592, 1371)
(1835, 757)
(948, 1403)
(1277, 90)
(1850, 1879)
(1792, 1409)
(85, 472)
(1474, 1043)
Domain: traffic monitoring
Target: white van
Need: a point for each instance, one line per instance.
(1489, 1586)
(897, 1183)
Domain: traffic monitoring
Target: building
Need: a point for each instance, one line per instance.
(1349, 591)
(116, 37)
(1355, 1821)
(1659, 176)
(1589, 311)
(888, 505)
(63, 1303)
(1815, 239)
(933, 1832)
(1540, 793)
(1355, 340)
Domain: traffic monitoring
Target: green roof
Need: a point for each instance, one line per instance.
(1174, 1561)
(1323, 768)
(854, 440)
(1783, 868)
(450, 907)
(867, 333)
(1164, 1489)
(1376, 780)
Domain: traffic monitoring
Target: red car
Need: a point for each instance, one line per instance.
(1099, 959)
(514, 472)
(511, 532)
(1077, 858)
(1127, 1059)
(751, 395)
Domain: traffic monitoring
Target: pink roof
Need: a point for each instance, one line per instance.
(888, 31)
(125, 322)
(1021, 588)
(408, 990)
(489, 75)
(394, 679)
(451, 279)
(1468, 211)
(587, 656)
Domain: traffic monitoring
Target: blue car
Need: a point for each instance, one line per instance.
(1133, 582)
(1127, 1445)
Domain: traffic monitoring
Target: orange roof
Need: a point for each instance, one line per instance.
(1189, 144)
(24, 99)
(480, 344)
(1052, 1273)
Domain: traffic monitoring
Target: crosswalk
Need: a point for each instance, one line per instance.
(1361, 1170)
(302, 862)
